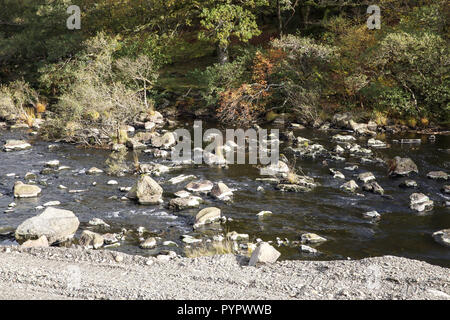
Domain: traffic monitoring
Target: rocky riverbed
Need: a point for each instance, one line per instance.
(58, 273)
(356, 193)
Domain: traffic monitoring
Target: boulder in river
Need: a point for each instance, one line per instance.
(373, 187)
(402, 167)
(264, 253)
(188, 202)
(207, 215)
(55, 224)
(437, 175)
(312, 238)
(94, 170)
(293, 188)
(274, 169)
(148, 243)
(16, 145)
(343, 138)
(22, 190)
(446, 189)
(147, 191)
(372, 215)
(408, 184)
(420, 202)
(442, 237)
(202, 186)
(221, 191)
(90, 239)
(351, 186)
(366, 177)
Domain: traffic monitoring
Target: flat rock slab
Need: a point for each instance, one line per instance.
(16, 145)
(55, 224)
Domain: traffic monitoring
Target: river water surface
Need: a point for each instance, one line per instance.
(327, 210)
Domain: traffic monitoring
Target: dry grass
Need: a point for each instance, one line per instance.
(210, 249)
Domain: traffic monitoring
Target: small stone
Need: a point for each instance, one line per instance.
(203, 186)
(372, 215)
(366, 177)
(189, 202)
(30, 176)
(16, 145)
(112, 182)
(373, 187)
(22, 190)
(350, 186)
(408, 184)
(420, 202)
(88, 237)
(446, 189)
(52, 204)
(94, 170)
(263, 213)
(260, 189)
(437, 175)
(98, 223)
(402, 167)
(42, 242)
(234, 236)
(442, 237)
(264, 253)
(149, 243)
(52, 164)
(312, 238)
(118, 258)
(182, 194)
(342, 138)
(308, 249)
(207, 215)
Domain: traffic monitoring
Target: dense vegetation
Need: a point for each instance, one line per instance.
(243, 59)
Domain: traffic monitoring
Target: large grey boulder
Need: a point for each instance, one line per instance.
(402, 167)
(146, 191)
(264, 253)
(188, 202)
(221, 191)
(55, 224)
(203, 186)
(22, 190)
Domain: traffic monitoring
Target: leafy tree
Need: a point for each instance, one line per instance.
(224, 19)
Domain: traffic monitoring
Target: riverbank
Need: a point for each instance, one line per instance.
(58, 273)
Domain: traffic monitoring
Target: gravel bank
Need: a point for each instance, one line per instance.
(56, 273)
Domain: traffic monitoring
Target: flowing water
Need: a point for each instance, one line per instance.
(327, 210)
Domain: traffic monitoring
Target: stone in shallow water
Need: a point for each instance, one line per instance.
(373, 187)
(22, 190)
(342, 138)
(307, 249)
(402, 167)
(446, 189)
(350, 186)
(408, 184)
(149, 243)
(366, 177)
(293, 188)
(372, 215)
(181, 178)
(263, 213)
(16, 145)
(221, 191)
(420, 202)
(179, 204)
(182, 194)
(146, 190)
(264, 253)
(98, 222)
(442, 237)
(94, 170)
(207, 215)
(437, 175)
(312, 238)
(90, 239)
(55, 224)
(376, 143)
(202, 186)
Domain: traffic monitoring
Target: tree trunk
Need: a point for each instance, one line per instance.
(280, 22)
(222, 53)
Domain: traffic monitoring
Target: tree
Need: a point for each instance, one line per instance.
(226, 19)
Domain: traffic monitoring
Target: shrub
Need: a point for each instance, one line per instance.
(18, 101)
(105, 93)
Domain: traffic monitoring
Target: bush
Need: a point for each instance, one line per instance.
(416, 67)
(105, 93)
(18, 101)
